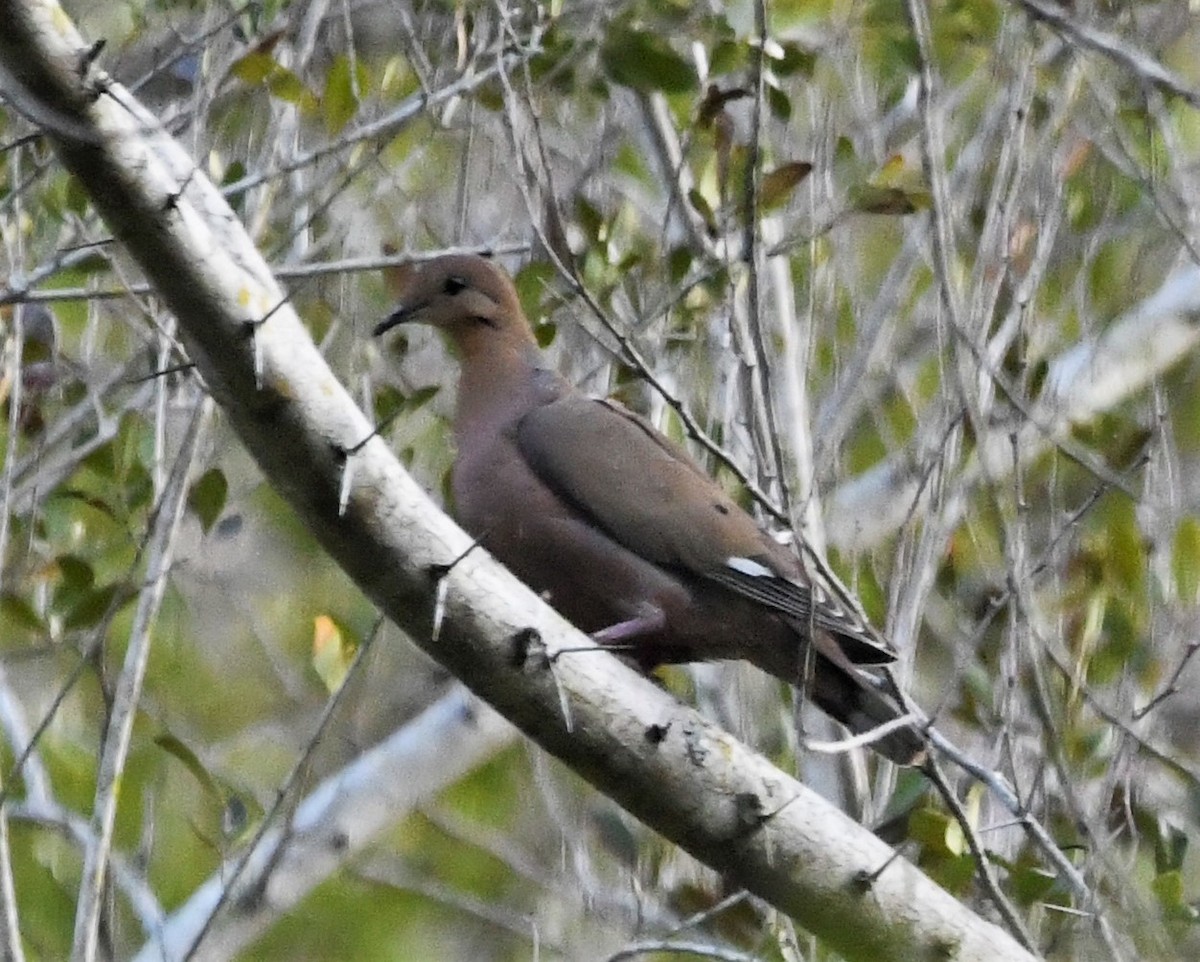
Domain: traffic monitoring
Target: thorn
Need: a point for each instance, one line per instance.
(439, 572)
(165, 372)
(98, 87)
(258, 356)
(591, 649)
(355, 448)
(344, 490)
(864, 881)
(91, 55)
(439, 607)
(173, 198)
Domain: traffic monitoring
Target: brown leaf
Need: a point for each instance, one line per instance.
(780, 182)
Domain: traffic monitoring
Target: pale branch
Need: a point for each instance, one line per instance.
(10, 923)
(378, 131)
(159, 553)
(337, 820)
(49, 814)
(340, 267)
(1088, 379)
(1063, 19)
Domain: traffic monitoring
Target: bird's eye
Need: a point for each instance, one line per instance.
(453, 285)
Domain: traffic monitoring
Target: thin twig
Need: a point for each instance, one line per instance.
(1138, 62)
(125, 701)
(983, 865)
(283, 809)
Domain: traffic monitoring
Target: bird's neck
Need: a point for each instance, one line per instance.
(497, 387)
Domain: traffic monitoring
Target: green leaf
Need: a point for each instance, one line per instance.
(344, 88)
(93, 606)
(779, 104)
(843, 151)
(254, 67)
(589, 218)
(726, 57)
(177, 749)
(233, 173)
(237, 813)
(1169, 889)
(259, 68)
(1031, 883)
(139, 486)
(873, 199)
(795, 59)
(646, 62)
(533, 282)
(679, 263)
(207, 497)
(75, 579)
(1170, 846)
(696, 199)
(21, 614)
(96, 504)
(388, 403)
(490, 96)
(77, 199)
(420, 397)
(75, 572)
(1185, 559)
(937, 831)
(333, 653)
(545, 334)
(1124, 544)
(285, 85)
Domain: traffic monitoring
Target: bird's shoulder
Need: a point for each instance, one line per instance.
(616, 469)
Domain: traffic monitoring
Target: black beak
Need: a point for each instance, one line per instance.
(400, 315)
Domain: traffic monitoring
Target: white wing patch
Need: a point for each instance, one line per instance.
(750, 568)
(820, 604)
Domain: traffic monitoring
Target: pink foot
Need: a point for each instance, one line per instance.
(647, 623)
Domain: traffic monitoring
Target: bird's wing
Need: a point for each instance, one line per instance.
(644, 492)
(860, 643)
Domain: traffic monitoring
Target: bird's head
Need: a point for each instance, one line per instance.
(465, 295)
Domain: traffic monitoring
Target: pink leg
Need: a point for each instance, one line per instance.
(650, 621)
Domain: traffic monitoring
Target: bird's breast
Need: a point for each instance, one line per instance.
(592, 580)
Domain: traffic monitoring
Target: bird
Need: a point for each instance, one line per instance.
(617, 527)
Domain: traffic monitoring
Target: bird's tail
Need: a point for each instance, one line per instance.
(842, 694)
(836, 687)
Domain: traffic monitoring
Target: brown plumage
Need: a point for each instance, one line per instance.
(626, 536)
